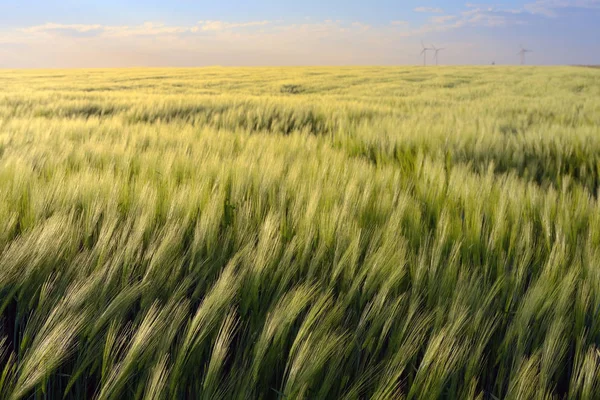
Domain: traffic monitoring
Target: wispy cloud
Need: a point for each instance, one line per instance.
(361, 26)
(496, 8)
(442, 19)
(263, 31)
(497, 15)
(473, 16)
(549, 8)
(145, 29)
(430, 10)
(49, 27)
(222, 25)
(206, 42)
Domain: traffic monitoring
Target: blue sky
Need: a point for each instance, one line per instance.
(107, 33)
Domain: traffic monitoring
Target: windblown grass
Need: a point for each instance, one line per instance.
(300, 233)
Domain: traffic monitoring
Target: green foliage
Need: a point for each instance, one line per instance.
(390, 233)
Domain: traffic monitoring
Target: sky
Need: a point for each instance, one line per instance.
(157, 33)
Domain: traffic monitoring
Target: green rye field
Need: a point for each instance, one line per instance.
(300, 233)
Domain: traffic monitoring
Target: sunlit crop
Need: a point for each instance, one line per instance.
(290, 233)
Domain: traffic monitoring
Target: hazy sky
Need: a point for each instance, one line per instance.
(111, 33)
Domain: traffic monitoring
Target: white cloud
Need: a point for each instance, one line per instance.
(222, 25)
(474, 17)
(145, 29)
(487, 20)
(430, 10)
(442, 19)
(205, 43)
(549, 8)
(62, 27)
(361, 26)
(263, 32)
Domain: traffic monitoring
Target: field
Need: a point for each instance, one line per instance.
(300, 233)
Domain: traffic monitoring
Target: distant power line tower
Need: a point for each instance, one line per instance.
(522, 53)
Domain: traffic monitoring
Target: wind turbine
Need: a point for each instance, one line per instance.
(522, 54)
(424, 52)
(435, 56)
